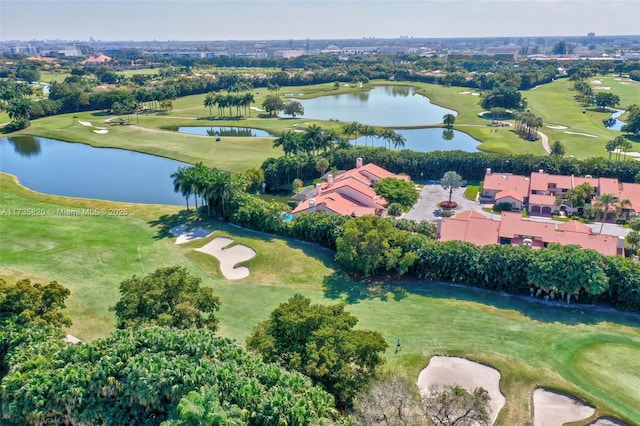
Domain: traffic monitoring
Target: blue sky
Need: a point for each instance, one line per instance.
(299, 19)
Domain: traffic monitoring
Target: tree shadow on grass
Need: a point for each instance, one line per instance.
(352, 291)
(166, 222)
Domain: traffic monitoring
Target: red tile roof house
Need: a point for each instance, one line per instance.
(542, 191)
(513, 229)
(350, 193)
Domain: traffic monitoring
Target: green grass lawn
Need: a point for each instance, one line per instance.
(556, 105)
(588, 353)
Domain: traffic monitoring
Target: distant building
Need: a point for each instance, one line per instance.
(288, 53)
(99, 59)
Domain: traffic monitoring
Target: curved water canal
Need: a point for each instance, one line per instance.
(78, 170)
(234, 131)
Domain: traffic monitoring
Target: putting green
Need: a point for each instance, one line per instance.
(611, 368)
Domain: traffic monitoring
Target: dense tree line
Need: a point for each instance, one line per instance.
(433, 165)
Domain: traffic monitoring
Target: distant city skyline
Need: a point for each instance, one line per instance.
(145, 20)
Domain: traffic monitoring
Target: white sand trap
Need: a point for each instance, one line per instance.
(475, 94)
(72, 339)
(552, 408)
(464, 93)
(603, 88)
(581, 134)
(185, 235)
(596, 82)
(101, 131)
(608, 421)
(85, 123)
(448, 371)
(256, 109)
(229, 257)
(624, 82)
(557, 127)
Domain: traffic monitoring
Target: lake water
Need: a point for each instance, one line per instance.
(425, 140)
(383, 106)
(224, 131)
(78, 170)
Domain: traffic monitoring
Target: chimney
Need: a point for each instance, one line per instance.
(488, 171)
(318, 188)
(358, 162)
(540, 171)
(312, 205)
(330, 179)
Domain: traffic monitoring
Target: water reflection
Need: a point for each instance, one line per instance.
(230, 131)
(447, 134)
(26, 146)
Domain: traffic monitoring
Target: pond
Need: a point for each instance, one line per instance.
(224, 131)
(612, 122)
(382, 106)
(425, 140)
(78, 170)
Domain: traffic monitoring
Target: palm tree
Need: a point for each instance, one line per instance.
(209, 102)
(313, 138)
(289, 141)
(633, 239)
(369, 132)
(352, 129)
(182, 184)
(448, 120)
(451, 180)
(604, 203)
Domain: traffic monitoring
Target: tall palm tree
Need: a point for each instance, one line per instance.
(182, 184)
(313, 138)
(352, 129)
(209, 102)
(369, 132)
(289, 141)
(604, 204)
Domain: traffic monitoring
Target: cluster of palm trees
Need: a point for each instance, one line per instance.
(619, 145)
(527, 124)
(311, 140)
(390, 137)
(229, 100)
(212, 186)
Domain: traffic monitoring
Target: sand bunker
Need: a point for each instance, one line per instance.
(552, 408)
(71, 339)
(229, 257)
(581, 134)
(101, 131)
(185, 234)
(256, 108)
(448, 371)
(603, 88)
(596, 82)
(557, 127)
(475, 94)
(464, 93)
(85, 123)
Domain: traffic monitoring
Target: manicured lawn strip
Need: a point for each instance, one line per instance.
(530, 343)
(231, 154)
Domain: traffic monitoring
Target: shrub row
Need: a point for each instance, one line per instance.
(433, 165)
